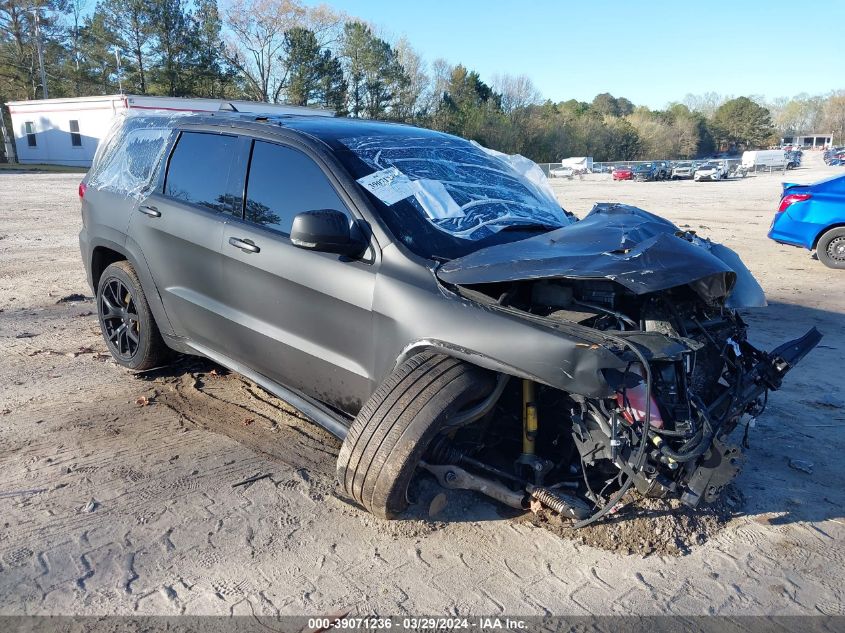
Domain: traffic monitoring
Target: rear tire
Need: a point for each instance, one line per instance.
(126, 322)
(831, 248)
(397, 424)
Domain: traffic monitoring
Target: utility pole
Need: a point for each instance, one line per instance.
(40, 50)
(119, 74)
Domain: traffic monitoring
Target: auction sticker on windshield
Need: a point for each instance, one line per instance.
(388, 185)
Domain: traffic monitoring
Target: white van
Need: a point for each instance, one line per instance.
(769, 158)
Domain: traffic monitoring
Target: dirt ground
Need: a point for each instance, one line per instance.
(124, 493)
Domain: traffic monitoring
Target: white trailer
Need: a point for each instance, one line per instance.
(66, 131)
(768, 159)
(578, 164)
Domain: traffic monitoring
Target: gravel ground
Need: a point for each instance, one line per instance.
(118, 495)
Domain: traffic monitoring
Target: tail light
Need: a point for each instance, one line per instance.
(792, 198)
(82, 188)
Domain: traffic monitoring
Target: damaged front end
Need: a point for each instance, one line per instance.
(665, 300)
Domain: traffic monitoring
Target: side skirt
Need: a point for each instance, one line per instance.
(333, 422)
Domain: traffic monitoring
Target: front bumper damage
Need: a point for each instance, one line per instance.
(704, 469)
(680, 410)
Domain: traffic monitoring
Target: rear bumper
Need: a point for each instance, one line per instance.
(786, 230)
(85, 252)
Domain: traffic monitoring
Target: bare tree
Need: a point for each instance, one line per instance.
(441, 75)
(256, 45)
(706, 103)
(517, 91)
(327, 24)
(834, 115)
(412, 93)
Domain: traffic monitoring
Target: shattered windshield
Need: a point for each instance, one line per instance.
(445, 197)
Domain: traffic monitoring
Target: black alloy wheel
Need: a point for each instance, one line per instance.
(121, 324)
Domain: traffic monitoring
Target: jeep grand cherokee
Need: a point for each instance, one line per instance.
(429, 302)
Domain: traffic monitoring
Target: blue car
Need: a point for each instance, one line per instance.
(813, 216)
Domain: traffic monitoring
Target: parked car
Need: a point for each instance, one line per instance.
(813, 217)
(682, 171)
(624, 172)
(709, 171)
(831, 153)
(835, 156)
(561, 172)
(793, 158)
(651, 171)
(431, 304)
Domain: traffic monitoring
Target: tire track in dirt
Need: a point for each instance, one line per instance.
(216, 400)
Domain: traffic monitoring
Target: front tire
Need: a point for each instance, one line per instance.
(126, 322)
(831, 248)
(397, 424)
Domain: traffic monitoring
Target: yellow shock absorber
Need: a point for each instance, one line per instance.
(529, 417)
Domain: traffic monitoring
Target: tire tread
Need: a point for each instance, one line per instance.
(392, 430)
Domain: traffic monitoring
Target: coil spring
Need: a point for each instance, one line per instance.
(442, 451)
(555, 502)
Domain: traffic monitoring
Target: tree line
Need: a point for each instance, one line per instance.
(282, 51)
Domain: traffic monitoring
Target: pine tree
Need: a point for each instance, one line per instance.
(129, 23)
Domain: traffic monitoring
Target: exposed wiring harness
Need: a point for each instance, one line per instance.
(640, 457)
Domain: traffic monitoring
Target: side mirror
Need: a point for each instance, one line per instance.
(325, 230)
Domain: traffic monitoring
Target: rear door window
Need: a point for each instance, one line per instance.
(282, 182)
(198, 172)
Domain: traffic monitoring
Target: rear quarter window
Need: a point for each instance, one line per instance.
(128, 157)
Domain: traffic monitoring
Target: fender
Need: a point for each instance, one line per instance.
(132, 252)
(588, 364)
(465, 354)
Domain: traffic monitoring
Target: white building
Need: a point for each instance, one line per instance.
(816, 139)
(66, 131)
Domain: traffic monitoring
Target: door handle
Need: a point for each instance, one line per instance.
(149, 211)
(247, 246)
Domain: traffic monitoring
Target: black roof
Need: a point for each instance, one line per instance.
(330, 130)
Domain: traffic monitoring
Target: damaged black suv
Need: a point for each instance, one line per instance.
(429, 302)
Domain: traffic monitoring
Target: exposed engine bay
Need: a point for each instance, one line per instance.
(680, 411)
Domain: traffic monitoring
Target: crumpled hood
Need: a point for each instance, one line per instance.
(634, 248)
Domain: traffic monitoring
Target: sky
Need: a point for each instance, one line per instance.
(652, 52)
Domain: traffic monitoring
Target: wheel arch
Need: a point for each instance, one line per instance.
(105, 252)
(462, 353)
(102, 257)
(836, 225)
